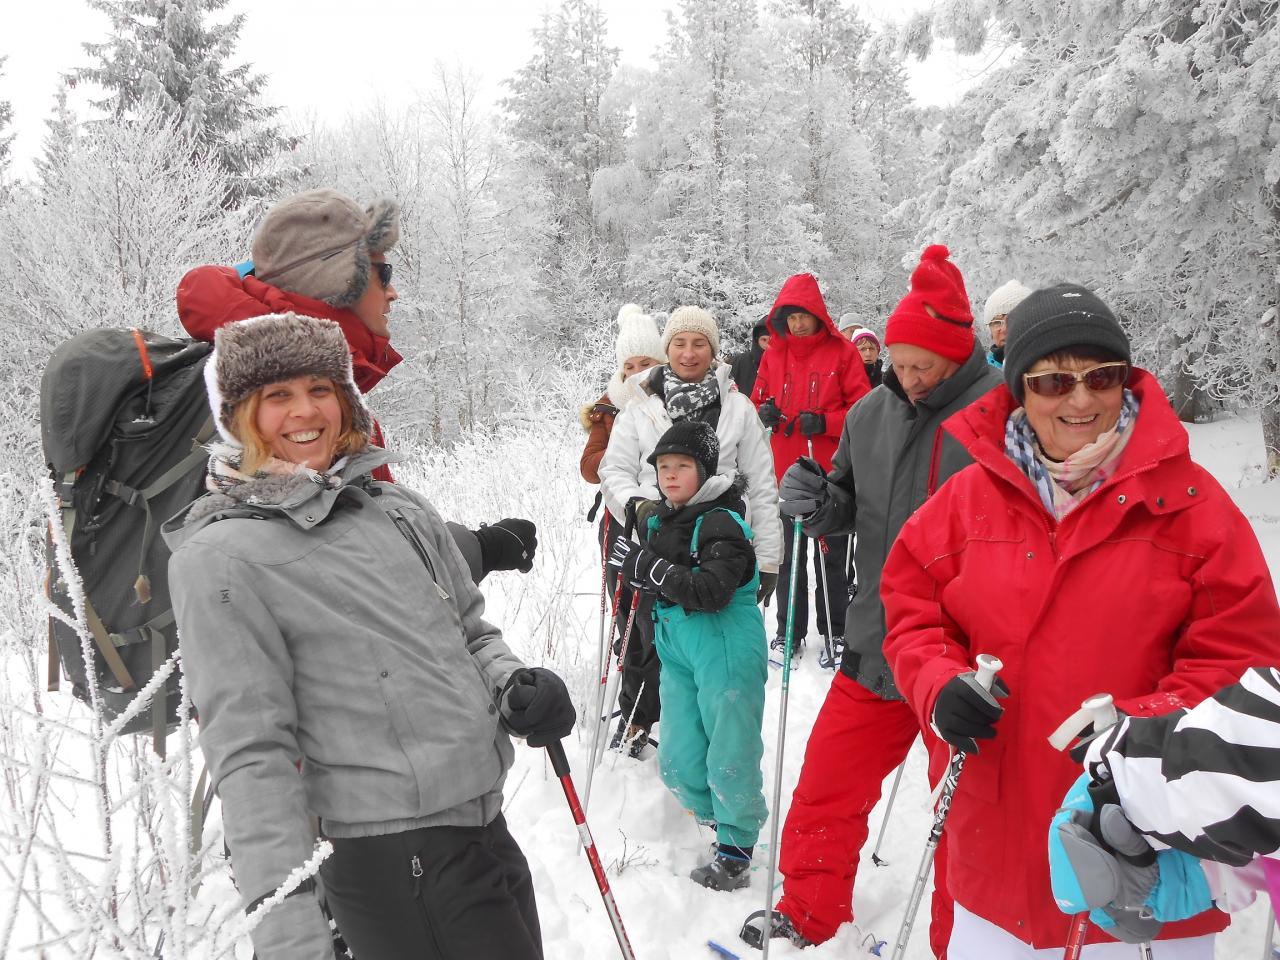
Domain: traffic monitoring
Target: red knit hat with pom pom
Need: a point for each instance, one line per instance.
(935, 283)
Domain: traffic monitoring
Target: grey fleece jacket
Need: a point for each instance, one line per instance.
(889, 450)
(310, 629)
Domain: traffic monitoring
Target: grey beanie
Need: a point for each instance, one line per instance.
(252, 353)
(319, 244)
(1052, 319)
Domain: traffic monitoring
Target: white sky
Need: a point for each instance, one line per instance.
(327, 60)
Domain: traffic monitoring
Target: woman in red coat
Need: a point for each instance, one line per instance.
(1088, 552)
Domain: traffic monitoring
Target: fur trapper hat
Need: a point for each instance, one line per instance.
(319, 244)
(691, 320)
(252, 353)
(1003, 299)
(637, 336)
(692, 438)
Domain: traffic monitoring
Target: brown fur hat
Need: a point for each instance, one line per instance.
(252, 353)
(319, 244)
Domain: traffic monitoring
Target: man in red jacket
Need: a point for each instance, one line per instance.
(808, 379)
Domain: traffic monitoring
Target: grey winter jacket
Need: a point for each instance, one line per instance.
(892, 455)
(313, 630)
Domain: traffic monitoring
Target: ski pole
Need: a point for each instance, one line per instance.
(1268, 952)
(560, 764)
(888, 809)
(820, 544)
(602, 650)
(796, 535)
(612, 681)
(988, 667)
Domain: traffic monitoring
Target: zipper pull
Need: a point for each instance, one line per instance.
(415, 866)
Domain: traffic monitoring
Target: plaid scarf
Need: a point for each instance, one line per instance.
(684, 400)
(1062, 486)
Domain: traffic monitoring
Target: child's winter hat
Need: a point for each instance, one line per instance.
(1003, 299)
(866, 333)
(935, 283)
(637, 336)
(691, 320)
(252, 353)
(693, 438)
(319, 244)
(1053, 319)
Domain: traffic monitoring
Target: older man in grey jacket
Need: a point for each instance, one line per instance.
(893, 454)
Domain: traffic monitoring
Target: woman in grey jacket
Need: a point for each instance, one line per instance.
(334, 648)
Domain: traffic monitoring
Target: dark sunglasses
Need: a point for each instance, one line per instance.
(1058, 383)
(383, 270)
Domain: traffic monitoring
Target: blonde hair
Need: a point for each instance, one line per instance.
(244, 427)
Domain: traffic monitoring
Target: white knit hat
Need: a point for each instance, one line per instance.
(1004, 299)
(637, 336)
(848, 320)
(691, 320)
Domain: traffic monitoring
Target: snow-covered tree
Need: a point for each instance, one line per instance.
(175, 52)
(6, 118)
(61, 129)
(1137, 145)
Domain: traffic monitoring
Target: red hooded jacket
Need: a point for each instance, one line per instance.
(1153, 589)
(211, 297)
(822, 373)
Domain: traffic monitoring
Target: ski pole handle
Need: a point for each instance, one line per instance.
(988, 667)
(559, 762)
(1102, 711)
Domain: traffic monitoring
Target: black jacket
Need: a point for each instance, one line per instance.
(743, 368)
(726, 560)
(875, 373)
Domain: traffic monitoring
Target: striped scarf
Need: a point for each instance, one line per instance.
(1062, 486)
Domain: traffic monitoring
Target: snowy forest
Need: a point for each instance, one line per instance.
(1131, 146)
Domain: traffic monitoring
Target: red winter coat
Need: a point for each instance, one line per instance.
(1154, 589)
(818, 374)
(211, 297)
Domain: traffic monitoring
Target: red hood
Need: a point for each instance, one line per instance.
(801, 291)
(211, 297)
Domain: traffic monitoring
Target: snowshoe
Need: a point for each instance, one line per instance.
(631, 738)
(723, 872)
(837, 651)
(781, 928)
(779, 645)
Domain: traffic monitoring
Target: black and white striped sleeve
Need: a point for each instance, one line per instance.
(1205, 780)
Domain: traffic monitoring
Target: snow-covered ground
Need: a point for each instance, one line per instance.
(647, 842)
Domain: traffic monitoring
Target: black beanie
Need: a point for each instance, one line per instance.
(693, 438)
(1052, 319)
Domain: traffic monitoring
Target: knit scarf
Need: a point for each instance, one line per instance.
(684, 400)
(1063, 485)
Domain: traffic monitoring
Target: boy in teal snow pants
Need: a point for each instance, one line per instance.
(698, 578)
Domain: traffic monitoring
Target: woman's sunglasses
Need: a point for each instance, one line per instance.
(383, 270)
(1058, 383)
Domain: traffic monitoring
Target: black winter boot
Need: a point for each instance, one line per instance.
(779, 645)
(725, 871)
(780, 928)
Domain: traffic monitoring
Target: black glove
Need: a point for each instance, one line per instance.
(770, 414)
(813, 422)
(803, 489)
(768, 583)
(641, 569)
(965, 712)
(536, 705)
(508, 545)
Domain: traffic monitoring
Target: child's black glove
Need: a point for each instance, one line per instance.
(536, 705)
(641, 569)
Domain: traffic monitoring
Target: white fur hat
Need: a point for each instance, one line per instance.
(1004, 299)
(691, 320)
(637, 336)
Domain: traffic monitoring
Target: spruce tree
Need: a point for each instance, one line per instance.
(174, 51)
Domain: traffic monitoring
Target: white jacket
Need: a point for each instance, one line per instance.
(744, 449)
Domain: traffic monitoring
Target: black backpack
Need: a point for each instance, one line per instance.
(123, 420)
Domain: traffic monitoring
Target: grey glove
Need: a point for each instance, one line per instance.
(768, 583)
(803, 489)
(1116, 873)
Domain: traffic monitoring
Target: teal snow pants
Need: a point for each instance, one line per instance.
(714, 669)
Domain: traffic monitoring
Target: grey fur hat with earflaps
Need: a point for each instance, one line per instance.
(252, 353)
(319, 244)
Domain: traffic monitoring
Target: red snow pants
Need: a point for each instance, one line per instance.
(857, 741)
